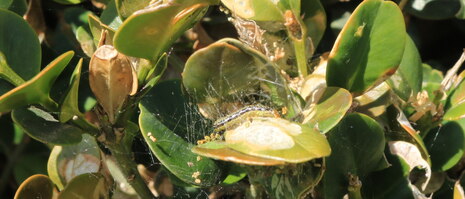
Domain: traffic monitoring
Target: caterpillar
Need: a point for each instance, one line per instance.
(236, 118)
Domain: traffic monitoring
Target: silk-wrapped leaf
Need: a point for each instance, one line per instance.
(164, 123)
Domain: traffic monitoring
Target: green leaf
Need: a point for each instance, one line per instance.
(36, 90)
(19, 7)
(127, 7)
(23, 55)
(357, 145)
(326, 108)
(314, 19)
(458, 95)
(392, 182)
(362, 55)
(67, 162)
(135, 36)
(110, 16)
(446, 144)
(43, 127)
(36, 186)
(164, 134)
(96, 27)
(85, 39)
(431, 80)
(408, 78)
(69, 106)
(434, 9)
(89, 185)
(257, 10)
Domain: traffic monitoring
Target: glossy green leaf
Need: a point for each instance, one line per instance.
(85, 40)
(458, 95)
(362, 55)
(408, 78)
(96, 27)
(36, 90)
(67, 162)
(446, 144)
(127, 7)
(434, 9)
(69, 106)
(164, 134)
(455, 113)
(36, 186)
(357, 145)
(314, 19)
(392, 182)
(326, 108)
(278, 139)
(19, 7)
(135, 36)
(431, 80)
(455, 108)
(257, 10)
(110, 16)
(23, 55)
(236, 173)
(89, 186)
(43, 127)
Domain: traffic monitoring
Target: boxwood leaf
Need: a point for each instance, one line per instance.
(88, 185)
(408, 77)
(67, 162)
(164, 135)
(22, 55)
(314, 19)
(362, 55)
(69, 106)
(127, 7)
(446, 144)
(135, 36)
(36, 186)
(257, 10)
(326, 108)
(36, 90)
(43, 127)
(357, 145)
